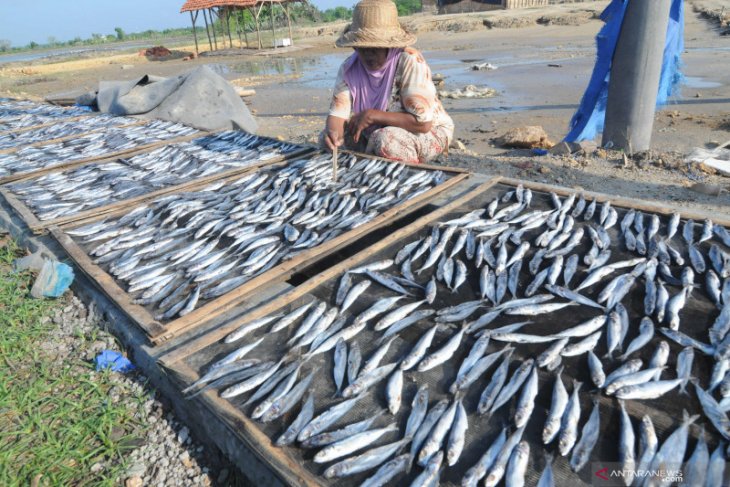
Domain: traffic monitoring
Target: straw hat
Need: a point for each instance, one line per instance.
(375, 24)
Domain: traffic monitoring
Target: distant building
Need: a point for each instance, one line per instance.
(459, 6)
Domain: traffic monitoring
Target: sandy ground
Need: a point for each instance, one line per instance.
(544, 58)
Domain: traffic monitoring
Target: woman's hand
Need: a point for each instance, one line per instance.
(333, 138)
(334, 135)
(361, 121)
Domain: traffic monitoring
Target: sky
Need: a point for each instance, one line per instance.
(39, 20)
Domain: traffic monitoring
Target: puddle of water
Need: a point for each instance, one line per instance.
(697, 82)
(315, 72)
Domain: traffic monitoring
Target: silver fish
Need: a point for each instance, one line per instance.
(431, 472)
(712, 411)
(598, 376)
(626, 450)
(646, 333)
(419, 349)
(557, 407)
(526, 401)
(515, 382)
(340, 364)
(698, 462)
(489, 395)
(569, 422)
(671, 454)
(363, 382)
(716, 470)
(583, 329)
(426, 425)
(304, 417)
(329, 437)
(647, 390)
(397, 315)
(388, 471)
(479, 470)
(353, 293)
(583, 346)
(375, 358)
(648, 443)
(418, 411)
(394, 390)
(517, 466)
(442, 354)
(684, 367)
(436, 437)
(352, 444)
(588, 439)
(497, 470)
(365, 461)
(552, 353)
(457, 435)
(633, 378)
(327, 418)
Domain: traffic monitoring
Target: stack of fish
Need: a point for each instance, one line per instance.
(70, 192)
(11, 109)
(62, 129)
(184, 248)
(19, 121)
(96, 144)
(481, 254)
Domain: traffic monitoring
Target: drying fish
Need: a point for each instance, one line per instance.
(365, 461)
(588, 439)
(479, 470)
(352, 444)
(304, 417)
(569, 422)
(457, 435)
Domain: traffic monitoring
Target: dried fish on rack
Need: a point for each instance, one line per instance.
(62, 129)
(70, 192)
(199, 245)
(468, 330)
(87, 145)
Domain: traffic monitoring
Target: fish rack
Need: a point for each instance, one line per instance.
(158, 332)
(39, 226)
(33, 122)
(101, 156)
(294, 466)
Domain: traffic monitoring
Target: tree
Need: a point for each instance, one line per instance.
(33, 44)
(5, 45)
(120, 33)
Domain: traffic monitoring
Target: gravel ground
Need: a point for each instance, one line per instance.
(165, 454)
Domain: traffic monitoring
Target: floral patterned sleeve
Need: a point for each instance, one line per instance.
(418, 93)
(341, 105)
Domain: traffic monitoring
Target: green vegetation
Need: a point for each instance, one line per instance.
(300, 14)
(56, 416)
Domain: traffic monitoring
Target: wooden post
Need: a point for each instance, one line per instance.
(271, 19)
(288, 22)
(207, 31)
(243, 24)
(238, 29)
(228, 27)
(195, 34)
(256, 15)
(212, 27)
(634, 82)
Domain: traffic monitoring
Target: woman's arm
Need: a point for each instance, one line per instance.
(335, 132)
(406, 121)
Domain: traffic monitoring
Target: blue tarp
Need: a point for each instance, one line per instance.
(589, 118)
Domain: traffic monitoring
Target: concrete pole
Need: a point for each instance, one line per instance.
(634, 83)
